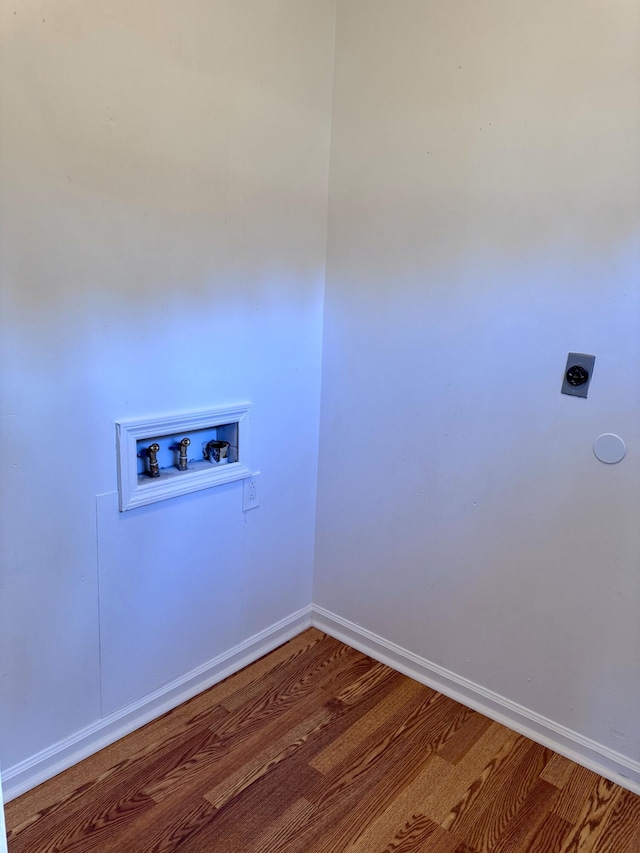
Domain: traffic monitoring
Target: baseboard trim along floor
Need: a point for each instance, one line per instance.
(64, 754)
(602, 760)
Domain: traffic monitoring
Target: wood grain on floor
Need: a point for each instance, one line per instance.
(317, 748)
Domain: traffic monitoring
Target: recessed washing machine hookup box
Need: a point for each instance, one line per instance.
(160, 458)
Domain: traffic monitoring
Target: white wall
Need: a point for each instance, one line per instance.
(483, 222)
(3, 831)
(164, 176)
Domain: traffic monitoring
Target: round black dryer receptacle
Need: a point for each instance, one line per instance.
(577, 375)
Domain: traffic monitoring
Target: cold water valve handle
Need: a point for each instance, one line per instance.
(182, 458)
(152, 453)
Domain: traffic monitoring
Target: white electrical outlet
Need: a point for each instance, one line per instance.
(251, 492)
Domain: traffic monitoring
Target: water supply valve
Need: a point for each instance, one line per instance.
(181, 447)
(152, 456)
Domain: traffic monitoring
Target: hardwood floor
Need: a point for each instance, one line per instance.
(316, 748)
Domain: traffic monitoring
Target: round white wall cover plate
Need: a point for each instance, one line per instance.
(609, 448)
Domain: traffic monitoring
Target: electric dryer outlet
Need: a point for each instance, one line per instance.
(577, 374)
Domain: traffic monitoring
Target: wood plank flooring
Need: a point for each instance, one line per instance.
(317, 748)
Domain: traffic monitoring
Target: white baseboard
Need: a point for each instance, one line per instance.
(608, 763)
(62, 755)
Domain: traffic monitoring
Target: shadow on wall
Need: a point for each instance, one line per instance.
(143, 153)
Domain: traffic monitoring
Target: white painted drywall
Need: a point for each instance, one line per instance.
(3, 831)
(163, 213)
(484, 220)
(163, 173)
